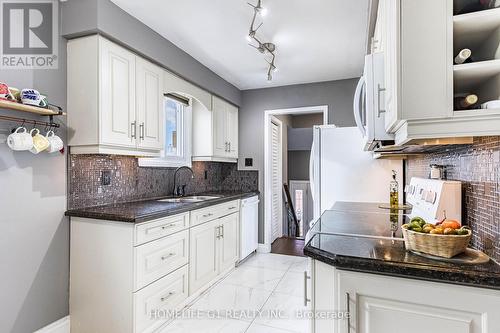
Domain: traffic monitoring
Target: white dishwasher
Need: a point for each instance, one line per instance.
(249, 226)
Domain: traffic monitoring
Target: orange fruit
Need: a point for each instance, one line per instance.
(453, 224)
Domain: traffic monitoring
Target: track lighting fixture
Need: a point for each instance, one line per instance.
(262, 47)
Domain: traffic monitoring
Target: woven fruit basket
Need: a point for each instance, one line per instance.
(446, 246)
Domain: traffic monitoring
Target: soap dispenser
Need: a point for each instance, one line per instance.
(394, 191)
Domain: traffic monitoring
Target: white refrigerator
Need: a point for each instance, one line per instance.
(340, 170)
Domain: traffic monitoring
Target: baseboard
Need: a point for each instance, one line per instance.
(264, 248)
(60, 326)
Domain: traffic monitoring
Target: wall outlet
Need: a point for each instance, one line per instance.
(106, 177)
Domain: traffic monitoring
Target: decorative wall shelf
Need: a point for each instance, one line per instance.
(28, 108)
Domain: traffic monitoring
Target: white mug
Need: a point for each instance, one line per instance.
(40, 143)
(20, 140)
(55, 142)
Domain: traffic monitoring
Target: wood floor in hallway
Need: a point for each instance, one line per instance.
(288, 246)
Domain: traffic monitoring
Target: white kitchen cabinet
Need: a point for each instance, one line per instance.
(418, 66)
(419, 75)
(203, 255)
(117, 93)
(149, 105)
(121, 273)
(384, 304)
(214, 250)
(113, 281)
(228, 241)
(215, 132)
(116, 100)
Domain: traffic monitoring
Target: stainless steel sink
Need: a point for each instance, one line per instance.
(192, 198)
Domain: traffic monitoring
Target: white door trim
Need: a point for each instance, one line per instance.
(267, 161)
(279, 123)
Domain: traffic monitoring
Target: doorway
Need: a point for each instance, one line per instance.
(285, 167)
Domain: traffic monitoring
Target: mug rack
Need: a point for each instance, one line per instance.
(13, 106)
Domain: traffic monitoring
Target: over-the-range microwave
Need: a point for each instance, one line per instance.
(369, 104)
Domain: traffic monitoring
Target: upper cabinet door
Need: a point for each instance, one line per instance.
(117, 95)
(221, 144)
(391, 30)
(232, 130)
(149, 105)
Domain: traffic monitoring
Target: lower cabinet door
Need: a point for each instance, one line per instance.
(228, 242)
(152, 305)
(382, 304)
(203, 256)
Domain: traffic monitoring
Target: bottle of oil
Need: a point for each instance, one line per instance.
(394, 187)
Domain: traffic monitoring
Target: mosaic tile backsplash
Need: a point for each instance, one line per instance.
(478, 167)
(130, 182)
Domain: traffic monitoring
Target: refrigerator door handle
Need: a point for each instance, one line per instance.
(357, 105)
(311, 171)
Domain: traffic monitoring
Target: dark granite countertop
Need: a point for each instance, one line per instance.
(145, 210)
(367, 240)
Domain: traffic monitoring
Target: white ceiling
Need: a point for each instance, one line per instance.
(316, 40)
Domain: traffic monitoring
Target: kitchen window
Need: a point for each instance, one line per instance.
(177, 134)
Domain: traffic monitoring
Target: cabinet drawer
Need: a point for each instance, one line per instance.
(214, 212)
(156, 259)
(156, 229)
(163, 295)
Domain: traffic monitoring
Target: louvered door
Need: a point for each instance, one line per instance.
(276, 197)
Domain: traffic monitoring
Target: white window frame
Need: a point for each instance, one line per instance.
(175, 161)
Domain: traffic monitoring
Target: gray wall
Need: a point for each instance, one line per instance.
(338, 95)
(298, 164)
(307, 120)
(83, 17)
(34, 237)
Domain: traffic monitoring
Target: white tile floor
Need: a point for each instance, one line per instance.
(271, 285)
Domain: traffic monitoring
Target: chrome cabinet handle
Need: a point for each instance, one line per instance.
(380, 110)
(348, 298)
(141, 131)
(230, 208)
(217, 235)
(222, 228)
(229, 150)
(164, 298)
(306, 299)
(133, 129)
(227, 145)
(167, 256)
(208, 215)
(169, 225)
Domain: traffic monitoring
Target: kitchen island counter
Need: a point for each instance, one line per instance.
(366, 240)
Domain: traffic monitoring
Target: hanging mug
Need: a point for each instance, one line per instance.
(55, 142)
(40, 143)
(20, 140)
